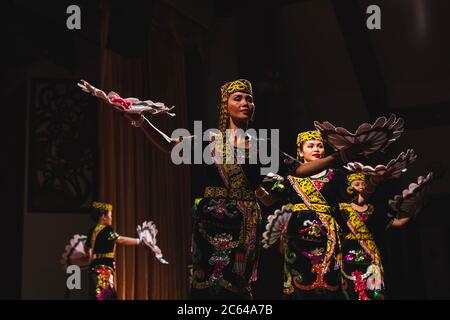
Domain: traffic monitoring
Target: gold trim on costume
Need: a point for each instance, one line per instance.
(103, 255)
(307, 191)
(320, 208)
(361, 233)
(235, 194)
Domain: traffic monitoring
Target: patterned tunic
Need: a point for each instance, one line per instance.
(311, 246)
(103, 266)
(226, 228)
(362, 270)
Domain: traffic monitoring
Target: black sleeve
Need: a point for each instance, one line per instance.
(111, 235)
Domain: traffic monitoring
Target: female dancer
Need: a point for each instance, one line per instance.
(362, 270)
(307, 227)
(227, 217)
(101, 244)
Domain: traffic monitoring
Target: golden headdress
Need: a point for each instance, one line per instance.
(308, 135)
(356, 176)
(229, 88)
(240, 85)
(102, 206)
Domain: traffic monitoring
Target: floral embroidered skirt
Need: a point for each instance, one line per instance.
(102, 282)
(362, 275)
(312, 257)
(224, 248)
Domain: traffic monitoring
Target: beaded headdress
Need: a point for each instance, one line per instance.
(240, 85)
(356, 176)
(102, 206)
(229, 88)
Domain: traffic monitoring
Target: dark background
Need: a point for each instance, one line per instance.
(307, 60)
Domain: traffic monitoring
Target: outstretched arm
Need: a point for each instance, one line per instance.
(398, 222)
(126, 241)
(335, 159)
(311, 168)
(156, 136)
(308, 169)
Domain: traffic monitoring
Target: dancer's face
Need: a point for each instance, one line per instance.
(107, 218)
(240, 107)
(358, 185)
(312, 150)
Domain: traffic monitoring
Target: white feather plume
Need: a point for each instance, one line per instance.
(147, 234)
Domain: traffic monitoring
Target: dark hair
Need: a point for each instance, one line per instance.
(96, 214)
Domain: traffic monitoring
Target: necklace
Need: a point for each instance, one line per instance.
(320, 181)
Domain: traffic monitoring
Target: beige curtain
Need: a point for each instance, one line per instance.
(139, 180)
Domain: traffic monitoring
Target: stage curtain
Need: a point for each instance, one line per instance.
(140, 181)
